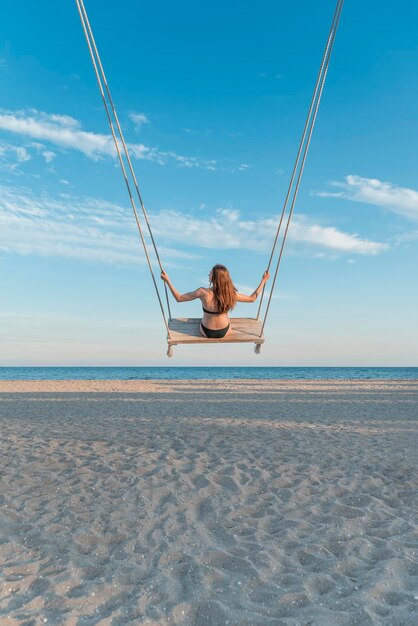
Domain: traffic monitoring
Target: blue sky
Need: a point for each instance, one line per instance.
(212, 100)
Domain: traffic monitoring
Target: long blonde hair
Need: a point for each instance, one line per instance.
(223, 289)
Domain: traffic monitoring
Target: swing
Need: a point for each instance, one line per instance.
(186, 330)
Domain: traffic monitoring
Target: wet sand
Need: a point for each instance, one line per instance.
(208, 502)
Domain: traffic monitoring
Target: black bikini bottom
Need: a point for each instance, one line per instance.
(215, 334)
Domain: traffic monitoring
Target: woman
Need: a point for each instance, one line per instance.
(217, 300)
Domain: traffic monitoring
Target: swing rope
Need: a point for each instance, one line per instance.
(303, 149)
(100, 76)
(297, 172)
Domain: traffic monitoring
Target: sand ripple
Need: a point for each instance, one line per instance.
(279, 504)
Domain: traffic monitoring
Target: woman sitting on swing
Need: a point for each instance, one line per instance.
(217, 300)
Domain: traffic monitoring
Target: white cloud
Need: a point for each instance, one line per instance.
(61, 130)
(22, 154)
(13, 155)
(227, 229)
(66, 132)
(183, 161)
(332, 238)
(96, 230)
(399, 200)
(82, 228)
(48, 155)
(139, 119)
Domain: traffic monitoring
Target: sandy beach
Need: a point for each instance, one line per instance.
(208, 503)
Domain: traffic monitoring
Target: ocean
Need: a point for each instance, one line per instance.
(200, 373)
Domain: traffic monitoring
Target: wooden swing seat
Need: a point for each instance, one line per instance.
(187, 330)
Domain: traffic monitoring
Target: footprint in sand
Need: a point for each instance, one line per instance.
(92, 571)
(358, 501)
(188, 578)
(205, 510)
(348, 512)
(310, 560)
(165, 500)
(319, 585)
(227, 482)
(39, 586)
(233, 564)
(84, 543)
(200, 482)
(211, 613)
(77, 592)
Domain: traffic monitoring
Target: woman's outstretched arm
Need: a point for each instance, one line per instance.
(185, 297)
(253, 297)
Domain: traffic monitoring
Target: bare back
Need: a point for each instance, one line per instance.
(216, 320)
